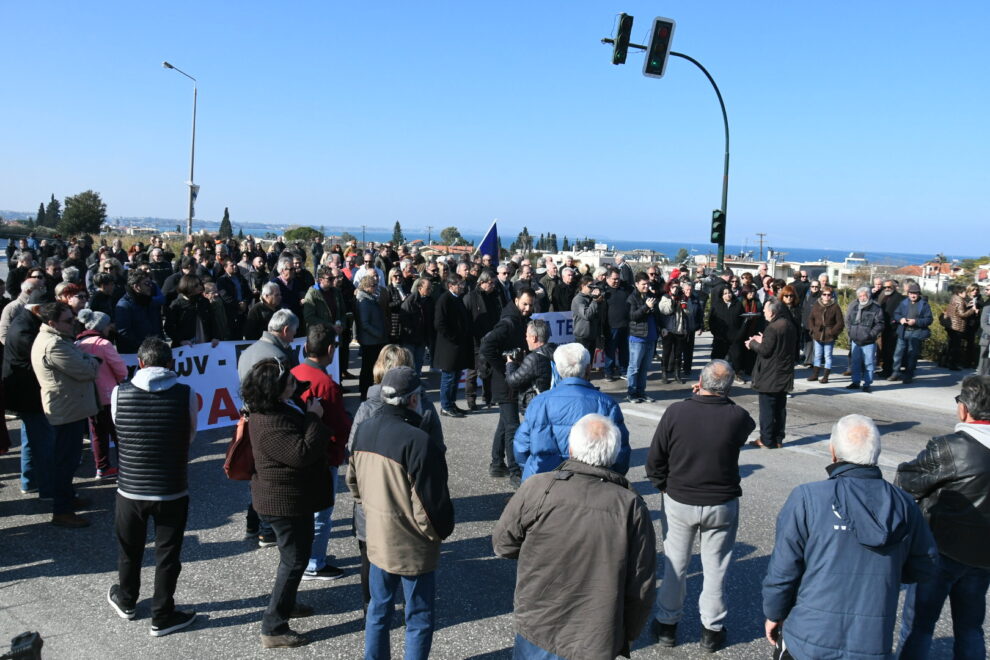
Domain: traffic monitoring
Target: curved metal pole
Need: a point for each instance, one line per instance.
(725, 174)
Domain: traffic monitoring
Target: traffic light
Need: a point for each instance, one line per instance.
(621, 45)
(718, 227)
(656, 57)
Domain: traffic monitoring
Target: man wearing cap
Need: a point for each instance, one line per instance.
(913, 316)
(399, 476)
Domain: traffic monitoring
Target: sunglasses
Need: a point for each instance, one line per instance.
(787, 295)
(825, 295)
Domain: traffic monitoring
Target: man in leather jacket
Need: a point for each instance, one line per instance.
(534, 374)
(951, 481)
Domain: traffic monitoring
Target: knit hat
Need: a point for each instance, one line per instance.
(93, 320)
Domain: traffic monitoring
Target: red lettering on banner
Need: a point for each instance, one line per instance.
(199, 401)
(223, 406)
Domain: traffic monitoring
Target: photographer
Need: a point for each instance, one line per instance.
(586, 311)
(534, 373)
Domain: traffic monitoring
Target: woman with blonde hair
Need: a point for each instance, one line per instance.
(391, 356)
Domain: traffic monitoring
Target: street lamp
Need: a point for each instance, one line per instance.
(193, 188)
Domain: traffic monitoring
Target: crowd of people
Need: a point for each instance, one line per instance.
(69, 321)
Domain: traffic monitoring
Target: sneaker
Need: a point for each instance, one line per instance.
(301, 610)
(328, 572)
(611, 379)
(267, 540)
(451, 412)
(665, 633)
(28, 491)
(712, 640)
(109, 473)
(498, 471)
(631, 399)
(646, 398)
(177, 620)
(286, 640)
(624, 377)
(113, 597)
(69, 520)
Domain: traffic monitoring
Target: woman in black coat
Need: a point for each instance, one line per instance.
(291, 482)
(189, 319)
(725, 322)
(394, 295)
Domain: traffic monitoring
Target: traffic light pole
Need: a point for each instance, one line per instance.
(725, 173)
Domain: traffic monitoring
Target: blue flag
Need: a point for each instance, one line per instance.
(489, 244)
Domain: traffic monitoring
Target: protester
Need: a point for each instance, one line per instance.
(138, 314)
(94, 340)
(485, 308)
(890, 298)
(372, 333)
(454, 347)
(643, 329)
(534, 373)
(324, 303)
(262, 311)
(834, 577)
(864, 324)
(507, 340)
(586, 308)
(725, 323)
(32, 291)
(825, 323)
(155, 418)
(678, 319)
(291, 483)
(617, 320)
(68, 396)
(540, 444)
(321, 342)
(950, 479)
(774, 372)
(913, 316)
(189, 319)
(399, 476)
(588, 523)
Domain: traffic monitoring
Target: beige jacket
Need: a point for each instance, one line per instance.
(67, 377)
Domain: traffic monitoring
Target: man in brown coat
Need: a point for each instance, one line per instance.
(774, 348)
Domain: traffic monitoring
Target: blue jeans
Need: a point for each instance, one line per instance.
(823, 350)
(322, 526)
(448, 389)
(419, 355)
(618, 342)
(966, 588)
(866, 356)
(640, 356)
(65, 462)
(906, 354)
(37, 453)
(419, 591)
(527, 650)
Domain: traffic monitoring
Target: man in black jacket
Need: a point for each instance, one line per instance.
(155, 417)
(951, 481)
(774, 372)
(586, 308)
(563, 293)
(454, 348)
(617, 317)
(485, 308)
(534, 374)
(889, 299)
(694, 462)
(508, 337)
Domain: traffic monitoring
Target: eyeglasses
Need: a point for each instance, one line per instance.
(787, 295)
(888, 288)
(827, 295)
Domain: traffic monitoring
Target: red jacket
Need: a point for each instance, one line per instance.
(321, 386)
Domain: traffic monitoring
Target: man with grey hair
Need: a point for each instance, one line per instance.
(773, 374)
(289, 285)
(542, 440)
(864, 323)
(563, 294)
(843, 548)
(275, 342)
(694, 463)
(950, 479)
(550, 281)
(588, 523)
(32, 291)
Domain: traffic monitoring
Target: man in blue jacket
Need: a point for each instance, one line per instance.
(912, 317)
(844, 546)
(541, 441)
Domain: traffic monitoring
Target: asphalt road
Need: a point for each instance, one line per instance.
(55, 580)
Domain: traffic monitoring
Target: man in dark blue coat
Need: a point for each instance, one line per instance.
(844, 547)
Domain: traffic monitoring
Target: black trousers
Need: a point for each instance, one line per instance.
(505, 433)
(295, 540)
(365, 572)
(773, 417)
(687, 352)
(131, 525)
(673, 348)
(888, 343)
(590, 343)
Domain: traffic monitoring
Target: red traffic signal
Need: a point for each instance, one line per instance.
(656, 56)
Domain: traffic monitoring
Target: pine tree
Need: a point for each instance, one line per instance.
(552, 243)
(566, 246)
(240, 233)
(40, 220)
(53, 214)
(397, 237)
(226, 230)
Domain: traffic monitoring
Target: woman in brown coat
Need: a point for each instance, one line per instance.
(961, 307)
(825, 324)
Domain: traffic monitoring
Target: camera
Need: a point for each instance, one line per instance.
(516, 354)
(597, 290)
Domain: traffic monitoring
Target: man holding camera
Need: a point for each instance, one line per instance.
(586, 311)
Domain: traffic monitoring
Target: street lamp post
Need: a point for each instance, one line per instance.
(193, 188)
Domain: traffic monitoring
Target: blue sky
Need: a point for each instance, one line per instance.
(854, 125)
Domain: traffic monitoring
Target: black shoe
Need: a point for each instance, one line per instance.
(267, 540)
(472, 406)
(113, 597)
(454, 412)
(867, 389)
(301, 610)
(328, 572)
(895, 377)
(515, 480)
(498, 471)
(908, 380)
(644, 398)
(712, 640)
(251, 532)
(679, 379)
(852, 386)
(177, 620)
(286, 640)
(665, 633)
(884, 375)
(611, 379)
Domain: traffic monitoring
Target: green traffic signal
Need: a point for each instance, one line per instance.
(621, 46)
(656, 56)
(718, 227)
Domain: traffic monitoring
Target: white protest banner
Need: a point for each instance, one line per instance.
(561, 326)
(212, 374)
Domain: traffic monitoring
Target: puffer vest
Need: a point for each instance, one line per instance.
(152, 440)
